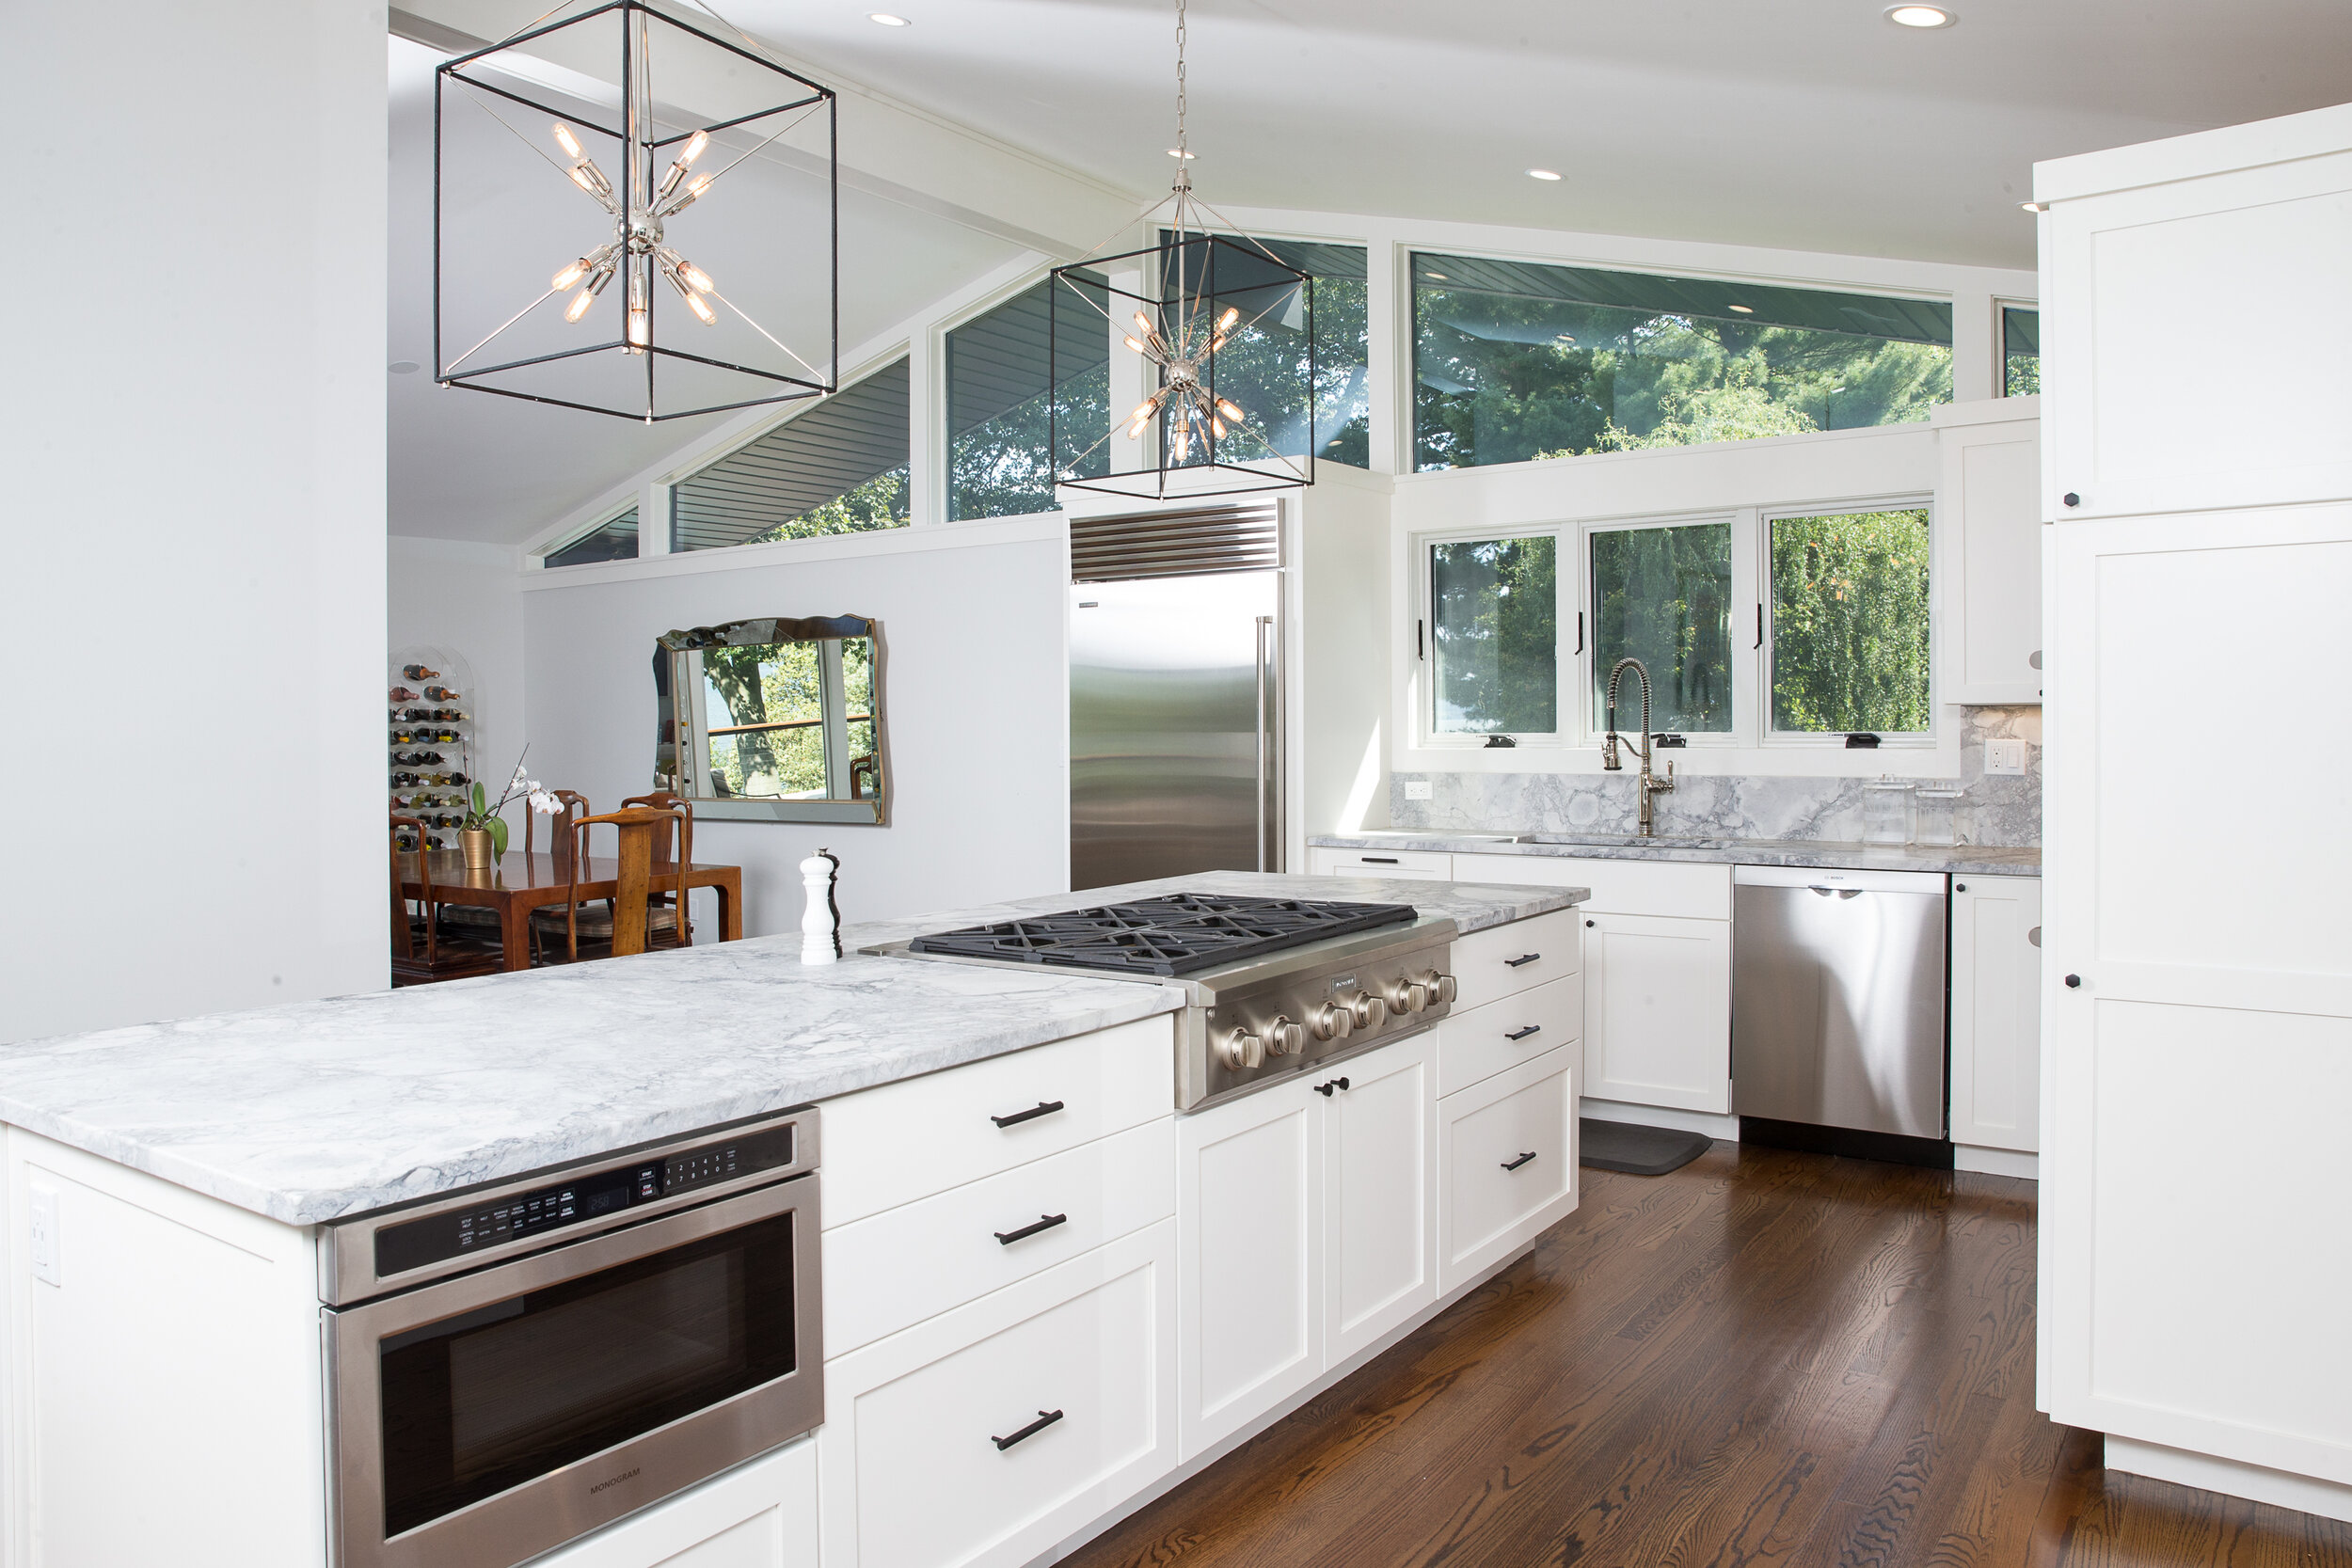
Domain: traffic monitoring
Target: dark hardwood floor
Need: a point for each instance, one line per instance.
(1764, 1358)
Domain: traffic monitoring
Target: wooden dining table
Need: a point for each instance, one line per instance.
(521, 883)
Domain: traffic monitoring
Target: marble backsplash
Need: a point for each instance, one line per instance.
(2004, 810)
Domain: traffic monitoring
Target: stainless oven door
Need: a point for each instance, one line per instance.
(484, 1419)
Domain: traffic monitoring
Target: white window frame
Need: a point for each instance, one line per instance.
(2001, 306)
(1772, 739)
(1751, 746)
(619, 509)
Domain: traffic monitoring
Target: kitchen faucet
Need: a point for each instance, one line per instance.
(1650, 786)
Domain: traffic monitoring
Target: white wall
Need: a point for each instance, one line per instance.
(974, 625)
(1340, 700)
(192, 424)
(452, 593)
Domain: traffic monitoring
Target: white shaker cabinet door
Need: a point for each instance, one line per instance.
(1658, 1011)
(1380, 1228)
(2134, 426)
(1987, 552)
(762, 1514)
(986, 1435)
(1251, 1276)
(1996, 1011)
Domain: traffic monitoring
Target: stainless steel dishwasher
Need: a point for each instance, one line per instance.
(1837, 1006)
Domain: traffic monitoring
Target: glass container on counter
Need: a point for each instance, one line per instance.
(1886, 811)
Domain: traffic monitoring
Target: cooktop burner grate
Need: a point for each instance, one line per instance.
(1179, 934)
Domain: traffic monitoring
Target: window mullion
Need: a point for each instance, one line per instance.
(1751, 625)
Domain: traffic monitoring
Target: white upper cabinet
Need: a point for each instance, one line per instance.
(1988, 551)
(2195, 324)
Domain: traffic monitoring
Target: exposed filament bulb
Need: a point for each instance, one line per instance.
(564, 140)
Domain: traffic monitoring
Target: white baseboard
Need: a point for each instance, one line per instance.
(1662, 1116)
(1996, 1162)
(2304, 1493)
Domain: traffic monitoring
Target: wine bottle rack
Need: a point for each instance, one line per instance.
(431, 725)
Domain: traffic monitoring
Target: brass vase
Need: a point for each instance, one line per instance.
(481, 855)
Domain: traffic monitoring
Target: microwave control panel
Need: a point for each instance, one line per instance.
(588, 1196)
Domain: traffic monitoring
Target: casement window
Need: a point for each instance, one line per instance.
(614, 539)
(2021, 351)
(1757, 628)
(1514, 360)
(838, 466)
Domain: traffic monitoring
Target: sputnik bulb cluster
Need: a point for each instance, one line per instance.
(1180, 351)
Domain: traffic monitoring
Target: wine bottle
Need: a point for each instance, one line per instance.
(445, 738)
(448, 716)
(402, 694)
(403, 781)
(404, 737)
(440, 694)
(418, 673)
(418, 714)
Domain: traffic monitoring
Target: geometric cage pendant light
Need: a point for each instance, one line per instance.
(635, 215)
(1209, 387)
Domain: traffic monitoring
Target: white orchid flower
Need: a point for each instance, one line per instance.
(544, 803)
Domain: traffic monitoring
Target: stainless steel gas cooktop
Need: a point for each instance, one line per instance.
(1272, 986)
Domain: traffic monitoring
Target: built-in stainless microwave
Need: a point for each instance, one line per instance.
(511, 1366)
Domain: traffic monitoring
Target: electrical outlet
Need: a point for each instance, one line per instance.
(1418, 789)
(2005, 756)
(47, 1263)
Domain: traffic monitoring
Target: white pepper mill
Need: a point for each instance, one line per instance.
(820, 924)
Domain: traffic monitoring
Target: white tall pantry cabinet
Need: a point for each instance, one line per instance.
(2197, 983)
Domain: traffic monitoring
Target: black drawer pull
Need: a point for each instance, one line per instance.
(1044, 1420)
(1325, 1089)
(1523, 958)
(1514, 1165)
(1044, 1222)
(1042, 1108)
(1377, 860)
(1523, 1033)
(2073, 982)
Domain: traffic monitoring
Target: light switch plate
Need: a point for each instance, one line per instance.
(48, 1266)
(1418, 789)
(2005, 756)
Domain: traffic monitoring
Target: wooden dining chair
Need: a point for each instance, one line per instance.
(423, 950)
(663, 799)
(630, 918)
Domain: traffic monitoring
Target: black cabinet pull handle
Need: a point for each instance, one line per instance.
(1326, 1087)
(1044, 1420)
(1044, 1222)
(2070, 499)
(1514, 1165)
(1377, 860)
(1592, 923)
(1523, 958)
(1523, 1033)
(1960, 887)
(1042, 1108)
(2073, 982)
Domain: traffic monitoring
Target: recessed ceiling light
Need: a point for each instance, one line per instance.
(1921, 16)
(1743, 310)
(883, 19)
(1541, 174)
(405, 367)
(2034, 206)
(1180, 152)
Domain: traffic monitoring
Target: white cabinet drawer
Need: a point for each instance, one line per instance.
(1475, 1045)
(1504, 959)
(897, 1268)
(911, 1464)
(761, 1514)
(1506, 1163)
(1619, 887)
(1417, 864)
(892, 1145)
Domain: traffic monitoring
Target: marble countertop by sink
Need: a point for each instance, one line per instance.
(317, 1110)
(1966, 860)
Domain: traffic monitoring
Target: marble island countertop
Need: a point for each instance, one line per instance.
(318, 1110)
(1967, 859)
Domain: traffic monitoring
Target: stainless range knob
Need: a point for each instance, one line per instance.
(1238, 1050)
(1441, 987)
(1407, 996)
(1284, 1038)
(1330, 1022)
(1368, 1011)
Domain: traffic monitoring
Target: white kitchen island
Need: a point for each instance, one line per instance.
(162, 1399)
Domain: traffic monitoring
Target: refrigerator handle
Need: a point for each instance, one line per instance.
(1258, 678)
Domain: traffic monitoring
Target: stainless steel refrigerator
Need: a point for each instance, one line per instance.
(1175, 715)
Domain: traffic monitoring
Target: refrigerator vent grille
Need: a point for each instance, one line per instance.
(1176, 544)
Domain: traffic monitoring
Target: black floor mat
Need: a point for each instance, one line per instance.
(1634, 1150)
